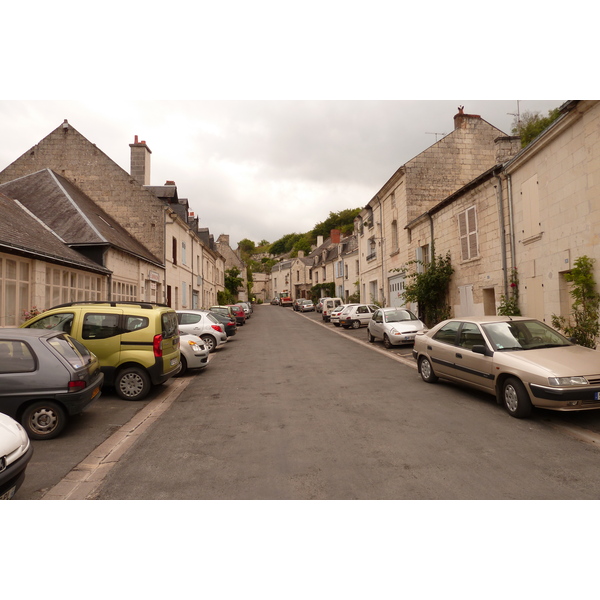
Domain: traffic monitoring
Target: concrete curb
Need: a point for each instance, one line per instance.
(405, 361)
(82, 482)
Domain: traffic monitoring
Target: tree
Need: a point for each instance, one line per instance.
(583, 323)
(342, 220)
(531, 124)
(233, 281)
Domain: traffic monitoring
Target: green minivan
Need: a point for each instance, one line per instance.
(137, 343)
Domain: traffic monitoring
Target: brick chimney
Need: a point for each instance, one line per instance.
(140, 162)
(461, 119)
(335, 236)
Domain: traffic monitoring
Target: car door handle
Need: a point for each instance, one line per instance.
(458, 355)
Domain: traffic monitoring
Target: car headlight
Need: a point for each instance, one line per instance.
(563, 381)
(193, 345)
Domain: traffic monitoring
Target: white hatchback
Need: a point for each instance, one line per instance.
(15, 454)
(357, 315)
(204, 325)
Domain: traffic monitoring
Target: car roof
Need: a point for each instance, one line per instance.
(12, 333)
(491, 319)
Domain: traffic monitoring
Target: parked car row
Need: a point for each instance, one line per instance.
(60, 361)
(521, 361)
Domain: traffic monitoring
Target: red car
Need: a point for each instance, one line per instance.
(240, 315)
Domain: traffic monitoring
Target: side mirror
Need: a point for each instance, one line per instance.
(481, 349)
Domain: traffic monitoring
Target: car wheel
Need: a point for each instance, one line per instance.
(386, 341)
(515, 398)
(426, 370)
(337, 324)
(370, 337)
(44, 420)
(355, 324)
(183, 366)
(132, 383)
(210, 342)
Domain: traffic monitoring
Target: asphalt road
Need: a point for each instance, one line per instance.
(293, 409)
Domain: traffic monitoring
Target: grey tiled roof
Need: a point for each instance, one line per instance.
(71, 214)
(23, 234)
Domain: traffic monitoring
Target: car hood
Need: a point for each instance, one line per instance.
(405, 326)
(562, 362)
(12, 437)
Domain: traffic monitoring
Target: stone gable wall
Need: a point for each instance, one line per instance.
(71, 155)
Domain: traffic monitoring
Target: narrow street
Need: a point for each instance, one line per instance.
(290, 409)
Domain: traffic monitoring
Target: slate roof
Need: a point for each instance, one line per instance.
(71, 214)
(21, 233)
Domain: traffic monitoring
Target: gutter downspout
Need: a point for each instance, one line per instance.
(511, 222)
(502, 233)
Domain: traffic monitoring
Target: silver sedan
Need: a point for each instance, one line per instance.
(521, 361)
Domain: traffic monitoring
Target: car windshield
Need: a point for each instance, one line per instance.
(399, 315)
(523, 335)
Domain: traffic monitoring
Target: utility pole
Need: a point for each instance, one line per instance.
(518, 115)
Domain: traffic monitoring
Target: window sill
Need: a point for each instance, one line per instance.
(533, 238)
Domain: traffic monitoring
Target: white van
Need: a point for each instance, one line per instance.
(328, 305)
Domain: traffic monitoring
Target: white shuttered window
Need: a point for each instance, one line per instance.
(467, 230)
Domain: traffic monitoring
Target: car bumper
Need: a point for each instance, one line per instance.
(76, 402)
(13, 476)
(566, 398)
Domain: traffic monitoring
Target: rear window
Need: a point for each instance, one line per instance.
(75, 353)
(170, 327)
(16, 357)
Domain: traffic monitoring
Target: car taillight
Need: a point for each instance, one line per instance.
(217, 328)
(75, 386)
(157, 345)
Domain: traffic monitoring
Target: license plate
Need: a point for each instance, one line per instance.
(8, 495)
(174, 361)
(407, 338)
(597, 396)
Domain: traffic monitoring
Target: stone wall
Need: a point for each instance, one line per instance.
(71, 155)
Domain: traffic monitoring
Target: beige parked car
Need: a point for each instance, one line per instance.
(522, 361)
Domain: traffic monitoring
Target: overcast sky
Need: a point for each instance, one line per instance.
(258, 169)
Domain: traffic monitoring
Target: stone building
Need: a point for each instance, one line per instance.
(38, 269)
(233, 260)
(146, 214)
(552, 189)
(385, 244)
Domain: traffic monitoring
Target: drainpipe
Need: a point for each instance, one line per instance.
(502, 233)
(513, 261)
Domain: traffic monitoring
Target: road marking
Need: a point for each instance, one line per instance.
(85, 479)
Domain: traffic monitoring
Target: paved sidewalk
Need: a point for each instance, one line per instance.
(82, 482)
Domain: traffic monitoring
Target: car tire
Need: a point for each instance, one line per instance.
(337, 324)
(355, 324)
(132, 383)
(386, 341)
(44, 420)
(183, 366)
(426, 370)
(370, 337)
(515, 399)
(210, 341)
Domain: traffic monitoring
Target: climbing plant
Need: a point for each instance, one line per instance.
(429, 288)
(582, 325)
(509, 304)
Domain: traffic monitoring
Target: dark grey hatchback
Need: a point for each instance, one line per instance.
(45, 376)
